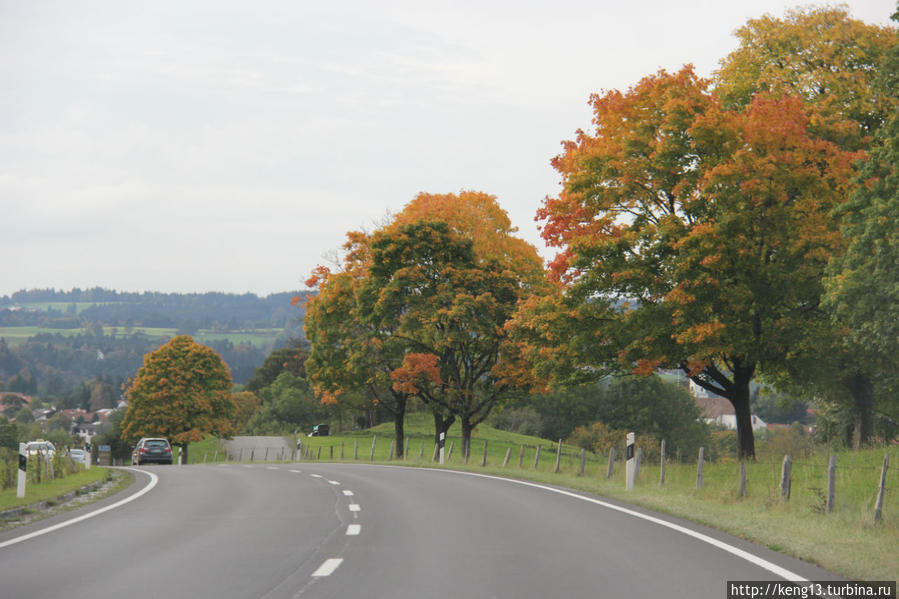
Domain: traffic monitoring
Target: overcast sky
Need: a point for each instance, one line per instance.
(229, 146)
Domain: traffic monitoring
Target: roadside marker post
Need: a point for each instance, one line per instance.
(441, 445)
(631, 462)
(23, 468)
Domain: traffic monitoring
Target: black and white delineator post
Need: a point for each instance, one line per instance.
(631, 462)
(23, 468)
(441, 443)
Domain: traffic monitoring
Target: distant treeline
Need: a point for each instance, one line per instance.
(55, 365)
(184, 311)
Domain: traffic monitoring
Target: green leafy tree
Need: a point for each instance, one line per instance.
(286, 359)
(182, 392)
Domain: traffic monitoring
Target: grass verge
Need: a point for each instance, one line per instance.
(50, 490)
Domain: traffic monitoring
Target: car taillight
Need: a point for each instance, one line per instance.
(143, 450)
(168, 450)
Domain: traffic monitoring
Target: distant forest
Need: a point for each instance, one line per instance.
(183, 311)
(83, 337)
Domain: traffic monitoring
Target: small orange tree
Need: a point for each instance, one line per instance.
(182, 393)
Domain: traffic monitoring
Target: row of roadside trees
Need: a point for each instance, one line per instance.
(733, 228)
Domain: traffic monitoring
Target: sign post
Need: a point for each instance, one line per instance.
(631, 462)
(442, 443)
(23, 470)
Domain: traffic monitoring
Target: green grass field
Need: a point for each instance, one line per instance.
(258, 337)
(846, 541)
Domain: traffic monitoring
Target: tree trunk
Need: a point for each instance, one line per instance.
(183, 453)
(739, 398)
(399, 422)
(441, 424)
(862, 390)
(466, 436)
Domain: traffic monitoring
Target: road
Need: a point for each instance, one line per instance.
(354, 530)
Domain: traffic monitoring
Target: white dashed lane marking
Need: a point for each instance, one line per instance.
(297, 471)
(347, 492)
(353, 530)
(354, 507)
(316, 475)
(327, 568)
(333, 482)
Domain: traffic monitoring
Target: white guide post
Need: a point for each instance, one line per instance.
(442, 443)
(631, 461)
(23, 467)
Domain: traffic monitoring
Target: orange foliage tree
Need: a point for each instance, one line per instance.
(419, 307)
(182, 392)
(698, 234)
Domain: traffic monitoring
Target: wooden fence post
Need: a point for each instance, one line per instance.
(318, 454)
(878, 508)
(583, 461)
(371, 456)
(521, 456)
(558, 457)
(638, 462)
(537, 458)
(392, 445)
(611, 470)
(421, 450)
(508, 455)
(831, 482)
(484, 459)
(355, 449)
(662, 464)
(452, 447)
(341, 451)
(786, 478)
(265, 459)
(406, 450)
(436, 448)
(699, 467)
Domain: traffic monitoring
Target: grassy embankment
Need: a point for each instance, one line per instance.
(846, 541)
(48, 490)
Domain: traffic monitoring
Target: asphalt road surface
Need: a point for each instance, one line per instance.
(353, 530)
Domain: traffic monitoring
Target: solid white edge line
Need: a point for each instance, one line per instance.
(749, 557)
(353, 530)
(153, 480)
(327, 568)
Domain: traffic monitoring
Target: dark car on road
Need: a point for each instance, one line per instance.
(155, 451)
(320, 430)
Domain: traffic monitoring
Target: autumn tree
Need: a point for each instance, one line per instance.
(350, 353)
(182, 392)
(831, 61)
(393, 318)
(699, 233)
(448, 309)
(820, 54)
